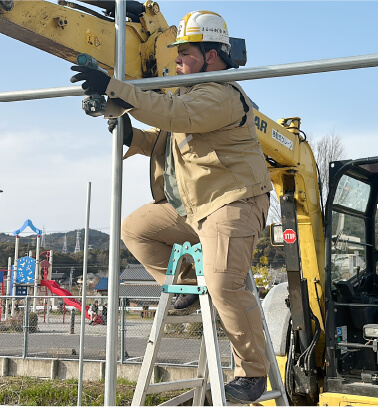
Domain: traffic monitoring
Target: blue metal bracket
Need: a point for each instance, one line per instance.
(177, 252)
(184, 289)
(27, 223)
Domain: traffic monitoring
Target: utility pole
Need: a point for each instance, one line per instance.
(71, 274)
(43, 240)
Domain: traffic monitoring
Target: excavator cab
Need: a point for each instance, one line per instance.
(351, 280)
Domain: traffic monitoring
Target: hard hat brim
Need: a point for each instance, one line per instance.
(176, 43)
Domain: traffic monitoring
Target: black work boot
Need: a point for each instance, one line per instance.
(185, 304)
(245, 389)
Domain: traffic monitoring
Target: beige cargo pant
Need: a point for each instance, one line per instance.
(228, 237)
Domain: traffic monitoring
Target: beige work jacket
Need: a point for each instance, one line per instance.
(218, 159)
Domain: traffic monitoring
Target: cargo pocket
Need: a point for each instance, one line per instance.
(234, 249)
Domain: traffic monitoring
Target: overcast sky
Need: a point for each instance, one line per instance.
(50, 150)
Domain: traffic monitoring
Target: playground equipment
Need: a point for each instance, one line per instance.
(55, 288)
(2, 289)
(30, 266)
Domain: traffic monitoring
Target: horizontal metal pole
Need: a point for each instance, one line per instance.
(270, 71)
(19, 95)
(241, 74)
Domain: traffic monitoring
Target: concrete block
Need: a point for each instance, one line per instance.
(102, 371)
(54, 368)
(4, 366)
(67, 369)
(128, 371)
(29, 367)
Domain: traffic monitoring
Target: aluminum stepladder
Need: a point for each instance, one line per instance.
(209, 363)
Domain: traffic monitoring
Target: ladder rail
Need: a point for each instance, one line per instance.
(275, 378)
(212, 348)
(175, 385)
(202, 371)
(157, 330)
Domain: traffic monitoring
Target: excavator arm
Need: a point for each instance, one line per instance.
(293, 172)
(66, 32)
(292, 168)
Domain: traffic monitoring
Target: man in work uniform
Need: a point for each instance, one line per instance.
(210, 184)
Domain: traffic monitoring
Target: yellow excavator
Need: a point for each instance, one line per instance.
(326, 340)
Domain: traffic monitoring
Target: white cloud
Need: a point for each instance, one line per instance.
(45, 176)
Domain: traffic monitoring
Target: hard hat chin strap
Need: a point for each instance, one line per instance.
(205, 64)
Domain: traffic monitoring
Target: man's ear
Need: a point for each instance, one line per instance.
(211, 56)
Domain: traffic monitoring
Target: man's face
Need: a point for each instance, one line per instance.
(189, 59)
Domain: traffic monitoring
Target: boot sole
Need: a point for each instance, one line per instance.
(234, 399)
(185, 311)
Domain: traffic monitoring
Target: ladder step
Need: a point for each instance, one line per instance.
(176, 385)
(181, 319)
(269, 395)
(182, 398)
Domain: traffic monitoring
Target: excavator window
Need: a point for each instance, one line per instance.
(351, 274)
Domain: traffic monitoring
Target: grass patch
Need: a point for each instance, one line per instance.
(29, 391)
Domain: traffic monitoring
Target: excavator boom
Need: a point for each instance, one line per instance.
(66, 32)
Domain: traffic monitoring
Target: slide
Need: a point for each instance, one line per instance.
(55, 288)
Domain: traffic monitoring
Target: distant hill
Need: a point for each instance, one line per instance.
(98, 255)
(55, 241)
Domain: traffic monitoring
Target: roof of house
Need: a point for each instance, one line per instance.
(102, 284)
(57, 276)
(135, 282)
(140, 291)
(132, 290)
(136, 272)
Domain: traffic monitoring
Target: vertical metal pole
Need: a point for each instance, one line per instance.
(26, 325)
(71, 275)
(122, 329)
(8, 286)
(15, 273)
(36, 273)
(83, 299)
(72, 323)
(115, 218)
(49, 277)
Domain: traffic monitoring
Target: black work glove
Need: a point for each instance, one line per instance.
(95, 81)
(127, 128)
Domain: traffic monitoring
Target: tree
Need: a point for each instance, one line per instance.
(327, 149)
(261, 272)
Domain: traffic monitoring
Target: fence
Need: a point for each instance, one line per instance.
(53, 331)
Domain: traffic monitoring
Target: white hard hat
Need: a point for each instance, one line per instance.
(202, 26)
(205, 26)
